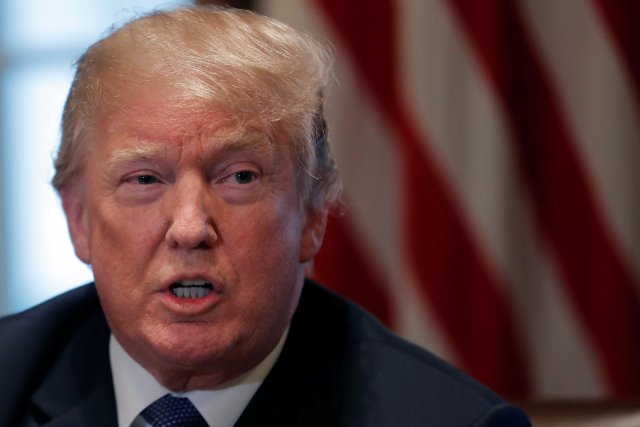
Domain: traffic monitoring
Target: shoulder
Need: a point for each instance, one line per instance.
(394, 382)
(37, 333)
(52, 317)
(33, 340)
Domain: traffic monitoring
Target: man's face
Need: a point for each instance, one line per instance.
(169, 206)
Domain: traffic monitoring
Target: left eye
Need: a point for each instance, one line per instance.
(244, 177)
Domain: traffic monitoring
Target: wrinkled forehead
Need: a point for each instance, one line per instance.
(148, 116)
(155, 112)
(152, 117)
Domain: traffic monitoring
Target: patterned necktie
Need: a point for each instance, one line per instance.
(171, 411)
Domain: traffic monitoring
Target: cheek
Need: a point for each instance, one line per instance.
(121, 240)
(129, 224)
(269, 233)
(265, 248)
(122, 249)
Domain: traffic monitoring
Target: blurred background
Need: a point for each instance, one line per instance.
(39, 42)
(490, 151)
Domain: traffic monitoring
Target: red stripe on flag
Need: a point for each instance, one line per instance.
(590, 263)
(455, 278)
(622, 19)
(342, 266)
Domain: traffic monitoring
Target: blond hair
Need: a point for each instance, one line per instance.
(261, 71)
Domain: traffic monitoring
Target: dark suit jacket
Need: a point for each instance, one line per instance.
(339, 367)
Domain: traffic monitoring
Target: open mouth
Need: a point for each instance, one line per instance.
(189, 289)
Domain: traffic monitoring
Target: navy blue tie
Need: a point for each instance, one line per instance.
(171, 411)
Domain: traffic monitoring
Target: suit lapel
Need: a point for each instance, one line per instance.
(78, 389)
(92, 410)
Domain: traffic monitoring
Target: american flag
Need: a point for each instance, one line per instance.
(490, 151)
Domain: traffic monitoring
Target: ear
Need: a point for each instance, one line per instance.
(73, 204)
(313, 234)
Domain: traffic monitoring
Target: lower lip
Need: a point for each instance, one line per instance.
(191, 306)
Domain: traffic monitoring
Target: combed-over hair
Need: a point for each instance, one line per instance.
(259, 71)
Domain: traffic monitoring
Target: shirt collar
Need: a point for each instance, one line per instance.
(135, 388)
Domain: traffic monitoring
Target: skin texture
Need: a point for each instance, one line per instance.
(170, 195)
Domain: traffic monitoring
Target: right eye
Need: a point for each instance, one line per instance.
(146, 179)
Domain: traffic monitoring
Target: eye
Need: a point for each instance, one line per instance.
(244, 177)
(142, 180)
(146, 179)
(240, 183)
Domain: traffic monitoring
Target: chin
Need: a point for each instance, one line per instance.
(195, 347)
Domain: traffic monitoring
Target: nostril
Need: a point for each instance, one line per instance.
(202, 245)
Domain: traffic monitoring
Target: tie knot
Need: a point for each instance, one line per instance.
(171, 411)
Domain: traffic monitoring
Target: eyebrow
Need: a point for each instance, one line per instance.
(133, 154)
(139, 152)
(250, 141)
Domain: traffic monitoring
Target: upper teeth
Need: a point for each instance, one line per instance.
(197, 282)
(192, 288)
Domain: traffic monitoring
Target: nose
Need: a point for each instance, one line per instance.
(191, 225)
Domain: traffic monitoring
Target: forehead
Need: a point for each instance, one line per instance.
(156, 112)
(147, 120)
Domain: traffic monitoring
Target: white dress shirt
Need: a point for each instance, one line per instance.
(135, 389)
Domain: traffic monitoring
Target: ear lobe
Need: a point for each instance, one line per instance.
(313, 234)
(74, 209)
